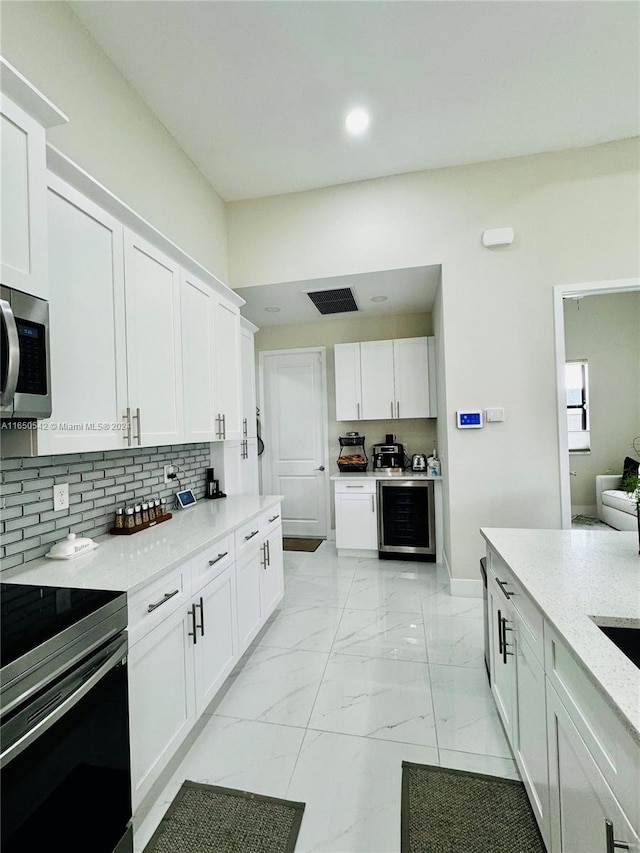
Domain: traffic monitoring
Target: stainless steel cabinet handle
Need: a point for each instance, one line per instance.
(163, 600)
(499, 632)
(127, 417)
(612, 844)
(273, 518)
(391, 404)
(251, 535)
(201, 606)
(268, 546)
(358, 410)
(505, 645)
(137, 418)
(355, 487)
(13, 355)
(224, 425)
(508, 593)
(398, 407)
(263, 558)
(218, 558)
(244, 427)
(373, 503)
(194, 632)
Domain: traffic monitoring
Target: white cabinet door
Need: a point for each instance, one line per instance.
(249, 479)
(272, 572)
(88, 349)
(228, 397)
(198, 354)
(216, 643)
(503, 681)
(530, 732)
(356, 520)
(23, 211)
(161, 699)
(581, 800)
(378, 394)
(348, 382)
(247, 358)
(248, 596)
(154, 345)
(411, 378)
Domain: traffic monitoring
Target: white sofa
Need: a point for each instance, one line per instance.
(615, 508)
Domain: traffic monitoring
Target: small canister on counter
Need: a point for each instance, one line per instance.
(129, 519)
(158, 508)
(120, 517)
(152, 510)
(138, 515)
(163, 506)
(145, 512)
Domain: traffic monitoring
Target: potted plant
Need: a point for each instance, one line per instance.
(631, 485)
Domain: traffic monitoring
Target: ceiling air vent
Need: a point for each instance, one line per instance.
(333, 301)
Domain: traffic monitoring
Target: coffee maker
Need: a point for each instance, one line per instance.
(389, 455)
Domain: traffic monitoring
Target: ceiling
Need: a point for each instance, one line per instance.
(256, 92)
(410, 290)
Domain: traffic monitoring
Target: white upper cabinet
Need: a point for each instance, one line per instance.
(88, 350)
(385, 380)
(228, 395)
(198, 353)
(154, 343)
(24, 115)
(248, 361)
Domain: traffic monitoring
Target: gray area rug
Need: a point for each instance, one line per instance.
(448, 811)
(290, 543)
(210, 819)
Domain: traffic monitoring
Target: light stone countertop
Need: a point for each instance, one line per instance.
(127, 563)
(380, 475)
(573, 575)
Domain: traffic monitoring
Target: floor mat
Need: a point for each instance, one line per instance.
(446, 811)
(289, 543)
(210, 819)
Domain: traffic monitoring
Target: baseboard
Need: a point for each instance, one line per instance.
(466, 587)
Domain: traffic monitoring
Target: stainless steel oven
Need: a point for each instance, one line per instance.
(406, 520)
(26, 383)
(65, 763)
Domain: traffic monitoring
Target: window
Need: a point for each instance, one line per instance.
(577, 388)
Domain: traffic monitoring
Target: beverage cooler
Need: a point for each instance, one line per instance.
(406, 520)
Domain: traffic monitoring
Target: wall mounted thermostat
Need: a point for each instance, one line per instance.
(469, 420)
(185, 498)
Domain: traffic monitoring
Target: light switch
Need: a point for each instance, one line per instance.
(494, 415)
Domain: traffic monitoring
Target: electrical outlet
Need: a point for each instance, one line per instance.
(61, 496)
(169, 474)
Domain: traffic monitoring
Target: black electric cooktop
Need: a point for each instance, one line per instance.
(30, 615)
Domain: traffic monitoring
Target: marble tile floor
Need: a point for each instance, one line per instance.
(367, 664)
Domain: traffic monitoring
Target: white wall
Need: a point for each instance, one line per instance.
(112, 134)
(605, 330)
(575, 215)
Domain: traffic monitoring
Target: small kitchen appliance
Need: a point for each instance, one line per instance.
(388, 456)
(212, 488)
(354, 459)
(418, 462)
(26, 384)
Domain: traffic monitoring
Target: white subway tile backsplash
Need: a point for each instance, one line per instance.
(98, 483)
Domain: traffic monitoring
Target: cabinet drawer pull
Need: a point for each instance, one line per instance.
(391, 404)
(251, 535)
(163, 600)
(201, 606)
(612, 844)
(128, 420)
(273, 518)
(355, 487)
(373, 503)
(358, 410)
(505, 645)
(218, 558)
(499, 632)
(508, 593)
(194, 628)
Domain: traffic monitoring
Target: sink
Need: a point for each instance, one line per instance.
(626, 639)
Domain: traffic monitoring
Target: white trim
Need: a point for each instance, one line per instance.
(24, 94)
(560, 293)
(363, 553)
(322, 351)
(466, 587)
(445, 562)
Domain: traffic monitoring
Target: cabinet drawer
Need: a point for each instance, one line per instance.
(155, 602)
(359, 486)
(611, 746)
(531, 621)
(270, 521)
(247, 535)
(212, 561)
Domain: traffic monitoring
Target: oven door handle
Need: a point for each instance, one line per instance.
(94, 676)
(13, 355)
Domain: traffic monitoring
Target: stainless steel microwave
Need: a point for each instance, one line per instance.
(24, 367)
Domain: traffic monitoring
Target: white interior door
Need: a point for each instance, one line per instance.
(294, 412)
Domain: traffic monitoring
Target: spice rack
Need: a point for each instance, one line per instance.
(127, 531)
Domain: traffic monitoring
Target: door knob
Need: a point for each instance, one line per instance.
(321, 468)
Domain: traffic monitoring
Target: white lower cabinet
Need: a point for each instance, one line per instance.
(356, 516)
(272, 567)
(585, 815)
(248, 568)
(161, 699)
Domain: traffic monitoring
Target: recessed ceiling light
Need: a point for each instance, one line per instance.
(379, 298)
(272, 309)
(357, 121)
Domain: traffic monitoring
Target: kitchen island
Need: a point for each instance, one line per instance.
(568, 697)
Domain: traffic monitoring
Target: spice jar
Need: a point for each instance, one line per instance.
(158, 508)
(129, 520)
(138, 515)
(163, 506)
(152, 510)
(120, 518)
(145, 512)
